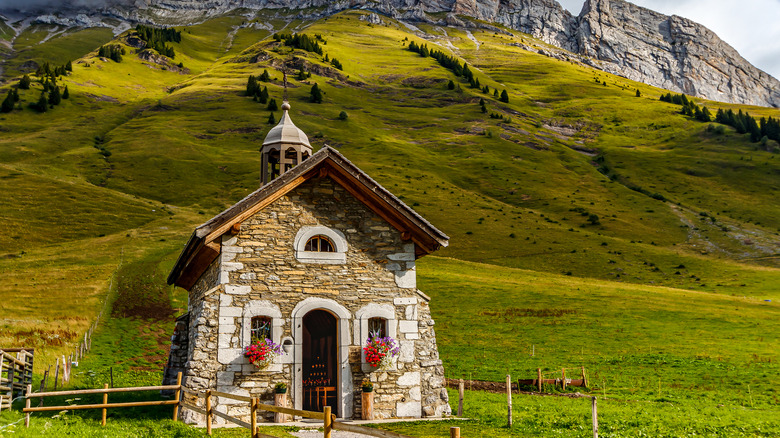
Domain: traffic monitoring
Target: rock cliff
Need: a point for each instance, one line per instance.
(619, 37)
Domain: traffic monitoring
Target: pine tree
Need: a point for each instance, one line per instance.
(504, 97)
(451, 85)
(43, 103)
(495, 93)
(638, 94)
(24, 82)
(16, 94)
(272, 106)
(66, 93)
(69, 66)
(265, 77)
(316, 94)
(263, 96)
(8, 104)
(55, 97)
(251, 86)
(483, 105)
(271, 118)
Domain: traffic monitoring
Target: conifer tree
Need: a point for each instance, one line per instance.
(66, 93)
(263, 96)
(265, 77)
(55, 97)
(24, 82)
(69, 66)
(638, 94)
(495, 93)
(451, 85)
(272, 106)
(8, 104)
(343, 115)
(316, 94)
(483, 105)
(251, 86)
(271, 118)
(504, 97)
(16, 94)
(43, 103)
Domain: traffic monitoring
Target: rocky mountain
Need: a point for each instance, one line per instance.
(616, 36)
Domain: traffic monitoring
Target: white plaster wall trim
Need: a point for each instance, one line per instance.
(343, 318)
(336, 237)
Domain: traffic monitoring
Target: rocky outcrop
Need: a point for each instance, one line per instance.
(616, 36)
(669, 52)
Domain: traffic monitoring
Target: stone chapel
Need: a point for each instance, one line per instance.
(316, 259)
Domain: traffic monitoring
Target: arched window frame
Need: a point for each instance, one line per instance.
(373, 310)
(265, 308)
(336, 237)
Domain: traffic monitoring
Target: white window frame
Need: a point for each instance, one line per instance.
(262, 308)
(337, 238)
(362, 316)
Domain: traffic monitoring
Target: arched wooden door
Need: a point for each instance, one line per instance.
(320, 361)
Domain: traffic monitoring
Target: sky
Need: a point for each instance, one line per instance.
(750, 26)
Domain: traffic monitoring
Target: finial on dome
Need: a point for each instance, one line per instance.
(285, 106)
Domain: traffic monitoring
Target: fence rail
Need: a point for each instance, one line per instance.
(16, 372)
(105, 405)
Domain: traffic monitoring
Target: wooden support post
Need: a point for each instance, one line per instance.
(111, 377)
(64, 371)
(328, 422)
(254, 416)
(539, 378)
(56, 373)
(454, 432)
(460, 398)
(563, 378)
(509, 399)
(176, 395)
(595, 419)
(27, 405)
(105, 402)
(584, 379)
(208, 412)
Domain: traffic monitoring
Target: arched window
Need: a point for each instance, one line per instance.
(377, 327)
(261, 328)
(319, 243)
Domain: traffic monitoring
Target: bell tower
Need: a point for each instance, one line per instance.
(284, 147)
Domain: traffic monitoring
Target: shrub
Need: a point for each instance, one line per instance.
(343, 115)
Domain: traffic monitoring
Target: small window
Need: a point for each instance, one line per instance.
(319, 243)
(261, 328)
(377, 327)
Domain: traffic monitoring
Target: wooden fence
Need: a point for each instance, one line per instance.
(562, 381)
(16, 368)
(329, 420)
(178, 403)
(105, 405)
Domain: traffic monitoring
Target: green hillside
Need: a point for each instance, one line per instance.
(659, 232)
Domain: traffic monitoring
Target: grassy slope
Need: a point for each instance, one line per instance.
(503, 192)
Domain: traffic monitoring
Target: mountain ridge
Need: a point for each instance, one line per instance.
(616, 36)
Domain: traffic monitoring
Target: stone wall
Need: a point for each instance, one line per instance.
(261, 272)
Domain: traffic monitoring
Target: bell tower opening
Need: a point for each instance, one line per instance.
(284, 147)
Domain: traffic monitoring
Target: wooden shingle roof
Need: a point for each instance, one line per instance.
(205, 243)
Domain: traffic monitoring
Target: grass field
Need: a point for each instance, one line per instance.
(671, 305)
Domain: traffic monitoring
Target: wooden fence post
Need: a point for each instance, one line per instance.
(208, 412)
(460, 398)
(105, 402)
(328, 426)
(454, 432)
(595, 415)
(509, 399)
(584, 379)
(176, 396)
(254, 416)
(563, 378)
(539, 378)
(27, 405)
(56, 373)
